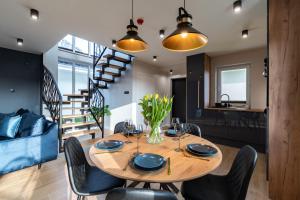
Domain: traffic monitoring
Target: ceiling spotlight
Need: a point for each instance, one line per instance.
(162, 33)
(237, 6)
(19, 42)
(245, 34)
(114, 43)
(34, 14)
(154, 58)
(171, 71)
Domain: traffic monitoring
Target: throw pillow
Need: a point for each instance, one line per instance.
(9, 126)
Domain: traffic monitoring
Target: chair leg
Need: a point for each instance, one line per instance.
(39, 166)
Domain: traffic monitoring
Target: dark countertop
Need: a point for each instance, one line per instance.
(236, 109)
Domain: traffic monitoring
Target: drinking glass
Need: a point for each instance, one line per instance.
(129, 128)
(179, 134)
(175, 123)
(138, 133)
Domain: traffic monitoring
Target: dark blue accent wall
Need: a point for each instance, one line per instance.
(20, 81)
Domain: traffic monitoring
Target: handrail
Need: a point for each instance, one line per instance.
(96, 99)
(52, 97)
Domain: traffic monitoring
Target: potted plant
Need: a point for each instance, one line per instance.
(155, 109)
(99, 112)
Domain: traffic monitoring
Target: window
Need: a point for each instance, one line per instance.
(234, 82)
(66, 42)
(81, 45)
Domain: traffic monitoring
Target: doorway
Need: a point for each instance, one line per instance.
(179, 101)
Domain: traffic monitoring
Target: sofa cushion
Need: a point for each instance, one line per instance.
(9, 126)
(22, 111)
(31, 125)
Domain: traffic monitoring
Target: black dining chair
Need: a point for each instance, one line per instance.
(120, 127)
(139, 194)
(86, 180)
(232, 186)
(192, 129)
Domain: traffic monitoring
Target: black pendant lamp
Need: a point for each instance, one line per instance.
(131, 42)
(185, 37)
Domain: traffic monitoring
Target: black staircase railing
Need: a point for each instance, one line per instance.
(52, 98)
(96, 100)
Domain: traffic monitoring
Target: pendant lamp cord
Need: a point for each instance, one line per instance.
(132, 9)
(184, 4)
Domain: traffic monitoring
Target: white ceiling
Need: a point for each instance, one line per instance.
(104, 20)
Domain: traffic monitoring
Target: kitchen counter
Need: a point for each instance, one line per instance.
(236, 109)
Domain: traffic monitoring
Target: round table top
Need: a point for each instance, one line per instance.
(183, 166)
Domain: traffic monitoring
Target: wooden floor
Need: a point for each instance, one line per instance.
(51, 181)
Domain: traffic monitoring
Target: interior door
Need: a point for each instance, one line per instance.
(179, 101)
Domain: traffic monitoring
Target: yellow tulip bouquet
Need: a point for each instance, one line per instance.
(155, 110)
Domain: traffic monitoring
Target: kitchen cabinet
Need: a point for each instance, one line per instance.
(198, 67)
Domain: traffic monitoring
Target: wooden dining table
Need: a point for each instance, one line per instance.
(183, 166)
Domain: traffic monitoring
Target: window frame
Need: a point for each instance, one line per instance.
(219, 69)
(73, 50)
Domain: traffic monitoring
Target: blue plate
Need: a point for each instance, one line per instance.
(202, 150)
(149, 161)
(109, 145)
(171, 133)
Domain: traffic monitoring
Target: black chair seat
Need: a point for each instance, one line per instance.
(139, 194)
(232, 186)
(86, 180)
(209, 187)
(97, 181)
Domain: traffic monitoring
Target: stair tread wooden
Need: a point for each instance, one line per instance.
(76, 108)
(104, 79)
(110, 73)
(77, 124)
(112, 66)
(74, 116)
(68, 102)
(80, 133)
(117, 58)
(75, 95)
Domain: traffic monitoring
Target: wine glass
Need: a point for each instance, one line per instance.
(129, 128)
(175, 123)
(138, 132)
(179, 134)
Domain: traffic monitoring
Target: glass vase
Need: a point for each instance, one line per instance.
(154, 135)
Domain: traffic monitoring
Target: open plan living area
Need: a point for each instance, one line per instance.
(149, 100)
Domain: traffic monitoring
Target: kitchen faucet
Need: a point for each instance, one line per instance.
(228, 99)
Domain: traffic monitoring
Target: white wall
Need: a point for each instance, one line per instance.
(148, 79)
(255, 58)
(50, 60)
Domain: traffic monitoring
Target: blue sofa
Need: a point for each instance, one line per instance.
(26, 150)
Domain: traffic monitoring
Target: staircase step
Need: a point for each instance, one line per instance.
(84, 91)
(78, 124)
(102, 86)
(105, 79)
(69, 102)
(106, 65)
(114, 74)
(76, 95)
(117, 58)
(76, 108)
(75, 116)
(78, 133)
